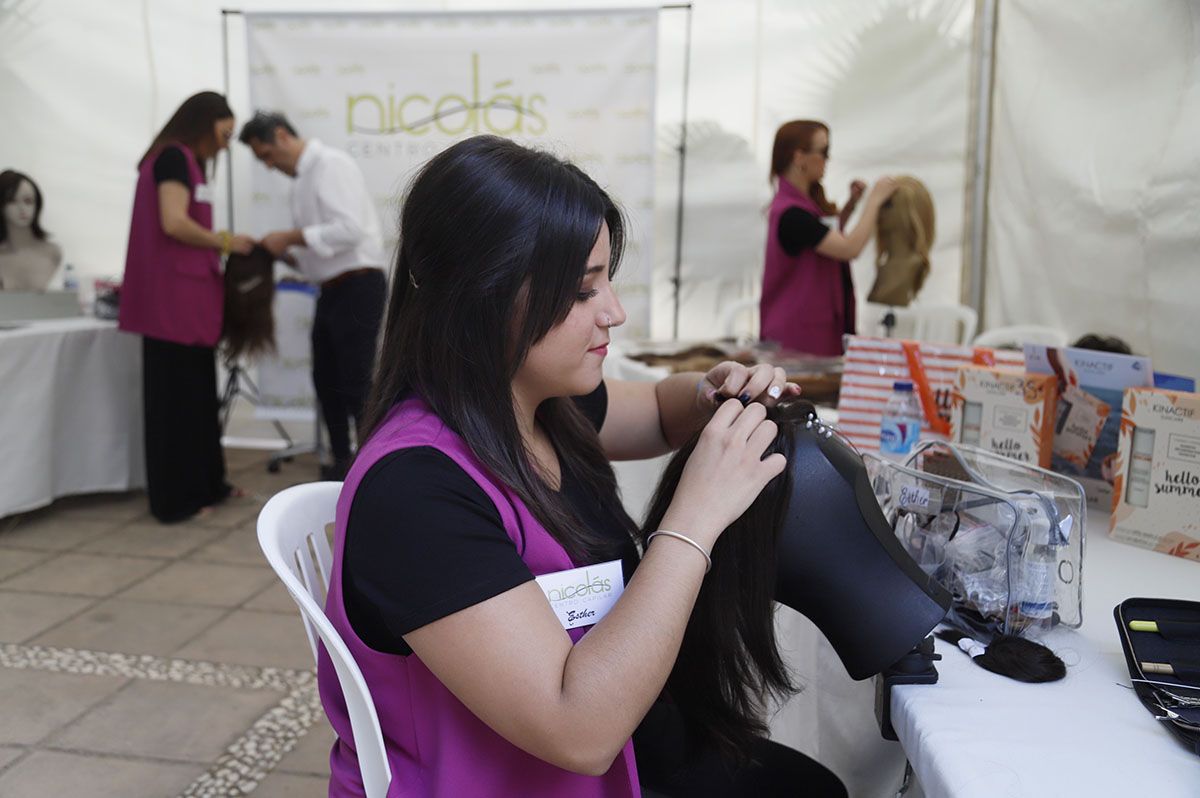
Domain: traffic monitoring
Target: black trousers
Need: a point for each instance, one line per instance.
(185, 465)
(666, 770)
(344, 335)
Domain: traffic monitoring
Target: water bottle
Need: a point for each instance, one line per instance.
(1039, 571)
(70, 278)
(901, 424)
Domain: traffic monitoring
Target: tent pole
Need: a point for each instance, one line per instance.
(974, 282)
(677, 275)
(225, 12)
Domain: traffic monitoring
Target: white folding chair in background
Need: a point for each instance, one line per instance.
(946, 324)
(291, 532)
(1019, 334)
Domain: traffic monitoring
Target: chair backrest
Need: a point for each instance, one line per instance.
(291, 532)
(948, 324)
(1019, 334)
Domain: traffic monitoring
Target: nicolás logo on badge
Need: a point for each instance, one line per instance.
(593, 586)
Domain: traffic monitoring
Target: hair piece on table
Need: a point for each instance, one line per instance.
(1011, 656)
(249, 325)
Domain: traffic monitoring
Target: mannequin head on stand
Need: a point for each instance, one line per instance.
(22, 202)
(904, 234)
(28, 258)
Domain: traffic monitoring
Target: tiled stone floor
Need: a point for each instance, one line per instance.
(145, 660)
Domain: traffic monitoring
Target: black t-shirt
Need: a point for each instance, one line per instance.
(800, 230)
(171, 165)
(424, 541)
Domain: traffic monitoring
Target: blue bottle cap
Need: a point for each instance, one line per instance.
(902, 385)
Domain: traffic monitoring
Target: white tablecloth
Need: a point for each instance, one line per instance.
(975, 733)
(981, 735)
(70, 412)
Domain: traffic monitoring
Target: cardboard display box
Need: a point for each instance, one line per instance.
(1090, 388)
(1005, 412)
(1156, 491)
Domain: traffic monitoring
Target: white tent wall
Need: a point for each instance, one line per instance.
(890, 78)
(93, 82)
(1094, 206)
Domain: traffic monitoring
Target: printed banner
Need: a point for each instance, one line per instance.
(285, 389)
(394, 89)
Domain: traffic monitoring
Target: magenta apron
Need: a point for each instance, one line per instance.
(172, 291)
(436, 747)
(807, 299)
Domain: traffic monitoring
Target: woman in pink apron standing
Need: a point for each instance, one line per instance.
(808, 296)
(172, 296)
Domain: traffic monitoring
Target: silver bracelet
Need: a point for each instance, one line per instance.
(685, 539)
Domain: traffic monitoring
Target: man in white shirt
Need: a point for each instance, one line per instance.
(336, 243)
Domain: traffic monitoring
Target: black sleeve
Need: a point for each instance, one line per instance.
(171, 165)
(594, 405)
(800, 230)
(423, 541)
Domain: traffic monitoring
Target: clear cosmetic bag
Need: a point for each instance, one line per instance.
(1005, 538)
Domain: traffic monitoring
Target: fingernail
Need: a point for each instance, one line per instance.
(710, 395)
(774, 391)
(744, 398)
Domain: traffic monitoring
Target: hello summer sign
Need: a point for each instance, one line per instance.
(394, 89)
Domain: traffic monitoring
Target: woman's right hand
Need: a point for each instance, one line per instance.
(882, 191)
(725, 472)
(241, 244)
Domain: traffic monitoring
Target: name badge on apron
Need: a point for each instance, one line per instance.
(582, 596)
(203, 193)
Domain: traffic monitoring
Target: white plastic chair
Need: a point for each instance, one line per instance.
(1019, 334)
(291, 532)
(949, 324)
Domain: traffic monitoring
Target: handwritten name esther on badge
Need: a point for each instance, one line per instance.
(582, 596)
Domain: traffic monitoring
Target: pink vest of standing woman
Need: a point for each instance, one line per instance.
(804, 303)
(172, 291)
(436, 747)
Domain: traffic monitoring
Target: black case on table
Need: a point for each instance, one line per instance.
(1179, 648)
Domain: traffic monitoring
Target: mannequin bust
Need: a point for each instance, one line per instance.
(903, 237)
(27, 258)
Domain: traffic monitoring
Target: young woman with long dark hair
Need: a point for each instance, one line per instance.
(808, 299)
(486, 463)
(172, 296)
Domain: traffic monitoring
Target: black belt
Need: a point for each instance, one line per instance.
(346, 275)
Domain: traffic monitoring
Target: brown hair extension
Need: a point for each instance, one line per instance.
(904, 234)
(729, 663)
(793, 136)
(249, 325)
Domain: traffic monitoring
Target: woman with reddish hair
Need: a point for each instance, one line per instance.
(808, 297)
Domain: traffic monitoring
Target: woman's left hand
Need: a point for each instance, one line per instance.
(762, 383)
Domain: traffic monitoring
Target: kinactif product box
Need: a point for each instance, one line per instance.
(1156, 492)
(1005, 412)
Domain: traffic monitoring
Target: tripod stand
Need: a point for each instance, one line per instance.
(238, 383)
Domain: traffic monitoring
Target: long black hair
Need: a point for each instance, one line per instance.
(10, 181)
(192, 126)
(494, 242)
(729, 666)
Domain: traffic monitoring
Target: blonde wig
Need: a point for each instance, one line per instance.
(904, 235)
